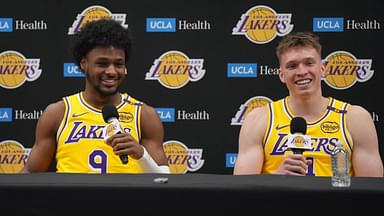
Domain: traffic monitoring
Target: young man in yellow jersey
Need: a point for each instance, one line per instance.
(72, 130)
(263, 135)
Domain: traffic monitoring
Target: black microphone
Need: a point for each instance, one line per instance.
(111, 116)
(298, 142)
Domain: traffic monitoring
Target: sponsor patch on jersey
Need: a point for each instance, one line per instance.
(330, 127)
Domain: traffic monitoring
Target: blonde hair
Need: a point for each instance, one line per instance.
(298, 39)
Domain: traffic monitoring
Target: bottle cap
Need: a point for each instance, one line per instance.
(339, 143)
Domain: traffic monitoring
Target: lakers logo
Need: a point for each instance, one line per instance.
(298, 141)
(15, 69)
(343, 70)
(181, 159)
(261, 24)
(257, 101)
(110, 130)
(93, 13)
(174, 70)
(13, 156)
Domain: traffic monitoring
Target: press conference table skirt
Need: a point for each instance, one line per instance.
(149, 194)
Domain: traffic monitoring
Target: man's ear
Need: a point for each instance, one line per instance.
(322, 70)
(281, 76)
(84, 65)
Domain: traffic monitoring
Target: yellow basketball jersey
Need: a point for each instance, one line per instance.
(324, 133)
(80, 141)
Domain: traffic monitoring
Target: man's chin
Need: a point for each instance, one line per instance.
(108, 91)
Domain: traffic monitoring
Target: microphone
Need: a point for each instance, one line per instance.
(111, 116)
(298, 142)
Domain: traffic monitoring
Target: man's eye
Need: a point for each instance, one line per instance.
(119, 65)
(102, 64)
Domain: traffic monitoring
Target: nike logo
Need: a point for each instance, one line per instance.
(74, 115)
(281, 127)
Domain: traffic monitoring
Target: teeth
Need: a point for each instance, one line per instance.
(108, 80)
(303, 82)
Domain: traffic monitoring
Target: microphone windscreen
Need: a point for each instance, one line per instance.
(109, 111)
(298, 125)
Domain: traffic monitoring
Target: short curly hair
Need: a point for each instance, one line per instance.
(101, 33)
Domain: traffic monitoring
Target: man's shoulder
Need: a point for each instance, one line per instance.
(357, 110)
(55, 106)
(258, 113)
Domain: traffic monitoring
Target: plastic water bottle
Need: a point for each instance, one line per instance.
(340, 166)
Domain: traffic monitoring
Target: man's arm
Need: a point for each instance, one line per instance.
(365, 154)
(149, 152)
(250, 156)
(44, 149)
(152, 135)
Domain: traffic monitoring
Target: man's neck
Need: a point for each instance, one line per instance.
(311, 108)
(98, 101)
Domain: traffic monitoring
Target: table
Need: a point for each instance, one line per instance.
(197, 194)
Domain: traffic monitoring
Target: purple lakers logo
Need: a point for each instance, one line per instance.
(248, 106)
(343, 70)
(318, 144)
(15, 69)
(182, 159)
(93, 13)
(174, 70)
(261, 24)
(81, 131)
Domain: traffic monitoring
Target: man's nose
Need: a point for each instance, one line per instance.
(302, 70)
(111, 69)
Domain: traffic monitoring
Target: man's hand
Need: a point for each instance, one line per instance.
(294, 164)
(125, 144)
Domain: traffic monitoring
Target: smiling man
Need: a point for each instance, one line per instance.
(263, 139)
(71, 130)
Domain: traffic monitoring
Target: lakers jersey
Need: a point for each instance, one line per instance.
(324, 133)
(80, 142)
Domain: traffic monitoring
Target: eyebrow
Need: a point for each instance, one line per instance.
(304, 59)
(109, 59)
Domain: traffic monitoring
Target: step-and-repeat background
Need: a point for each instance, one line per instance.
(229, 47)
